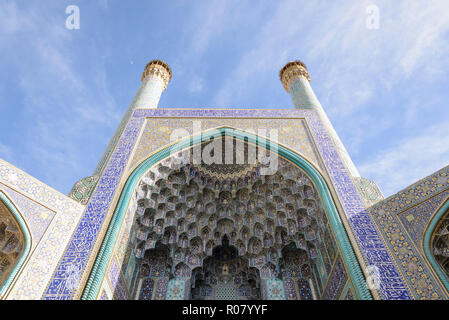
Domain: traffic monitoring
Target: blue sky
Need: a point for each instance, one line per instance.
(63, 92)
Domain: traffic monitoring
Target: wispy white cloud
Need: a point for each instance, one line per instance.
(208, 24)
(413, 158)
(11, 18)
(6, 152)
(212, 17)
(196, 85)
(56, 102)
(375, 85)
(353, 67)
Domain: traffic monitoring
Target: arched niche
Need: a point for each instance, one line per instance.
(274, 227)
(224, 275)
(15, 241)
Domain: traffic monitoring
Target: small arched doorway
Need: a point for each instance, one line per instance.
(225, 276)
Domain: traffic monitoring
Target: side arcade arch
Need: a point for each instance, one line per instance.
(15, 241)
(436, 241)
(99, 268)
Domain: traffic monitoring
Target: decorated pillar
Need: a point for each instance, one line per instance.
(296, 81)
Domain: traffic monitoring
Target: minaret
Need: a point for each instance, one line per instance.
(154, 81)
(296, 80)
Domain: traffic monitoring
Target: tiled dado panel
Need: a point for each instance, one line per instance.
(51, 218)
(66, 279)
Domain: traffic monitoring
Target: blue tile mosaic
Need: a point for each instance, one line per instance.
(80, 247)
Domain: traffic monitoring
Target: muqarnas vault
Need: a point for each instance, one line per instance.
(152, 224)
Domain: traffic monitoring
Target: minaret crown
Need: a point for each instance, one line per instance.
(159, 69)
(292, 70)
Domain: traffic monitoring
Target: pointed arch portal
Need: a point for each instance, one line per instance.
(218, 256)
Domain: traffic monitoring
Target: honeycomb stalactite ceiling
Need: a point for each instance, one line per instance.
(192, 208)
(11, 242)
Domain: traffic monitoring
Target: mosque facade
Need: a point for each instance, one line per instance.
(223, 204)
